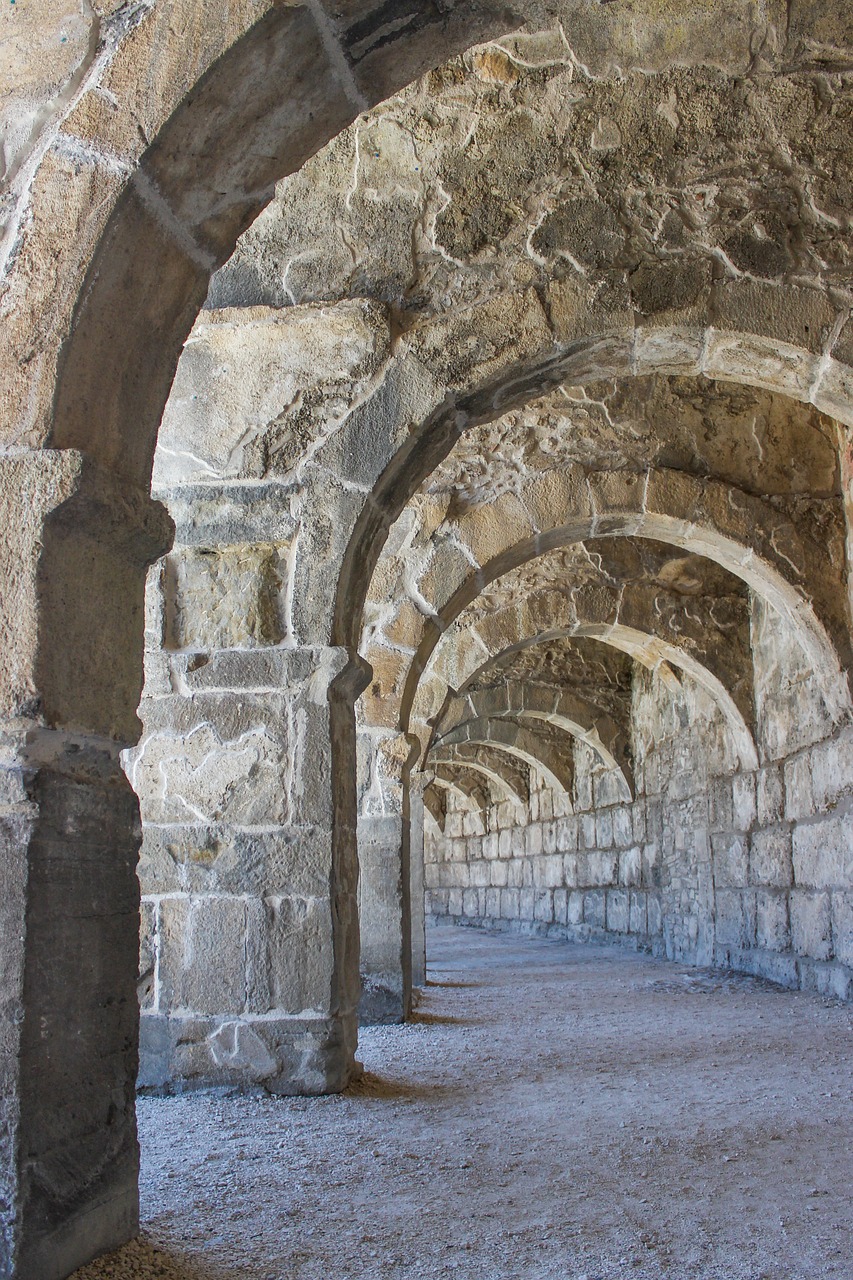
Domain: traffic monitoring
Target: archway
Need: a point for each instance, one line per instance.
(231, 122)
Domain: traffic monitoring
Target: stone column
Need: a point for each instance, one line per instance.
(386, 985)
(76, 544)
(383, 892)
(416, 880)
(69, 910)
(245, 911)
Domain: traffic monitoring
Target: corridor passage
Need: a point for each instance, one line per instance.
(556, 1112)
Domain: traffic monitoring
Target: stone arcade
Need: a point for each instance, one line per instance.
(449, 408)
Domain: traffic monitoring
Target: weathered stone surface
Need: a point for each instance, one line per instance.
(225, 597)
(612, 258)
(309, 365)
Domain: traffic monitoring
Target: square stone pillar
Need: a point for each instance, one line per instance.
(69, 903)
(417, 907)
(384, 962)
(75, 547)
(244, 909)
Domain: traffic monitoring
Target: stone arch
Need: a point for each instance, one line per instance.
(653, 653)
(691, 626)
(529, 372)
(564, 708)
(500, 775)
(741, 533)
(537, 749)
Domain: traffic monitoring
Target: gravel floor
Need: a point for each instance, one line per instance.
(555, 1112)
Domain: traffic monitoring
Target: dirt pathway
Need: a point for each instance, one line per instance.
(556, 1112)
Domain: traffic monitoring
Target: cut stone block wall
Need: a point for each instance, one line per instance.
(708, 865)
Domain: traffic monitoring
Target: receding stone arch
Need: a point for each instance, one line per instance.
(707, 519)
(547, 751)
(529, 372)
(498, 768)
(652, 652)
(454, 779)
(564, 708)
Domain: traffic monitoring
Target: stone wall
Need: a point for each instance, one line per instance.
(709, 864)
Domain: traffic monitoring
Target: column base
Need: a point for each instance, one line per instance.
(105, 1222)
(283, 1055)
(380, 1004)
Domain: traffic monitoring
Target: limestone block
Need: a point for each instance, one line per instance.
(198, 971)
(549, 836)
(811, 926)
(238, 1046)
(760, 361)
(594, 904)
(799, 802)
(533, 840)
(257, 388)
(770, 795)
(499, 872)
(567, 834)
(772, 926)
(493, 904)
(571, 870)
(623, 827)
(470, 903)
(561, 906)
(543, 907)
(586, 832)
(208, 776)
(548, 871)
(732, 923)
(574, 911)
(561, 804)
(770, 858)
(743, 801)
(604, 829)
(833, 392)
(731, 858)
(602, 868)
(842, 927)
(802, 317)
(480, 873)
(618, 911)
(577, 310)
(299, 952)
(454, 902)
(654, 915)
(638, 914)
(515, 872)
(469, 347)
(631, 866)
(822, 852)
(720, 804)
(831, 766)
(510, 904)
(486, 531)
(831, 980)
(226, 597)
